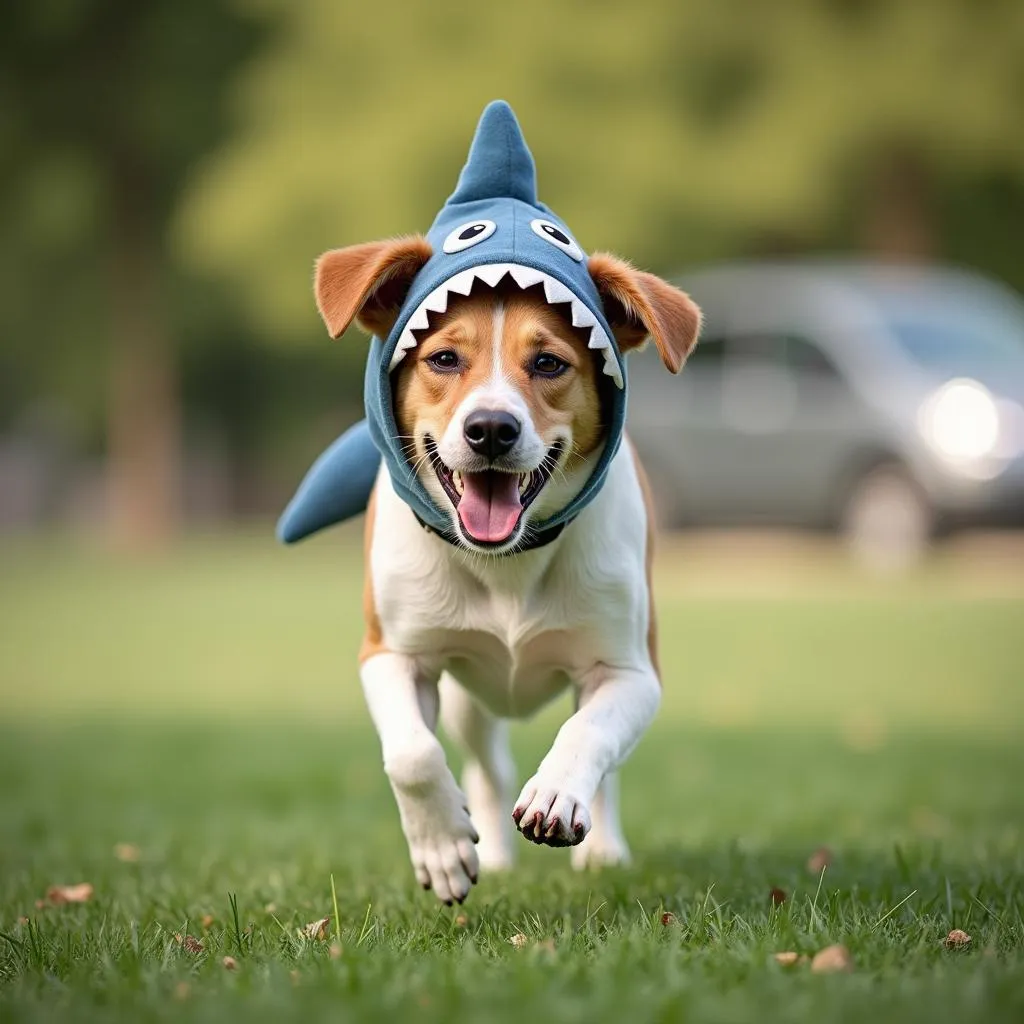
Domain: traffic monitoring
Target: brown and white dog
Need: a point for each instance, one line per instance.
(499, 404)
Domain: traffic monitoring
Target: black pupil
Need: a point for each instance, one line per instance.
(558, 236)
(471, 232)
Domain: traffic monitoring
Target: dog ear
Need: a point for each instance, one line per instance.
(368, 283)
(639, 304)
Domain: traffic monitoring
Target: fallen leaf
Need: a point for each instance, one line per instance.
(230, 963)
(461, 921)
(787, 959)
(206, 921)
(777, 896)
(832, 959)
(819, 860)
(80, 893)
(519, 940)
(667, 918)
(315, 929)
(182, 991)
(957, 939)
(127, 852)
(189, 943)
(335, 951)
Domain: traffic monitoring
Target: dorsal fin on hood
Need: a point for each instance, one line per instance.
(500, 164)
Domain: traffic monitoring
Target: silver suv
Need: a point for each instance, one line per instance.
(888, 403)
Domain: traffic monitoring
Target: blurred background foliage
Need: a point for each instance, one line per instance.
(169, 171)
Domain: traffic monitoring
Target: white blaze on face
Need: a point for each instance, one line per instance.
(489, 506)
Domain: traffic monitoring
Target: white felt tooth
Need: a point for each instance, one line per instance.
(396, 359)
(611, 367)
(555, 291)
(462, 283)
(581, 316)
(492, 273)
(419, 321)
(407, 340)
(437, 300)
(598, 338)
(526, 277)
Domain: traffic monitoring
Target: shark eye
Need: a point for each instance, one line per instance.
(467, 235)
(557, 237)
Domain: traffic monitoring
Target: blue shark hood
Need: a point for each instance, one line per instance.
(492, 225)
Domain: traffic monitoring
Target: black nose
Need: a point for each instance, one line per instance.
(491, 433)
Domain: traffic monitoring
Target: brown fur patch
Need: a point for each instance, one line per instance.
(427, 399)
(369, 281)
(639, 304)
(373, 638)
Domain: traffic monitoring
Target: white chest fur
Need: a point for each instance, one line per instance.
(517, 630)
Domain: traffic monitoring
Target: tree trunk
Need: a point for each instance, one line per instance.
(898, 222)
(143, 404)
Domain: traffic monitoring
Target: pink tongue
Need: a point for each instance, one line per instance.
(490, 506)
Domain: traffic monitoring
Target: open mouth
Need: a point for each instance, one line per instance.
(490, 503)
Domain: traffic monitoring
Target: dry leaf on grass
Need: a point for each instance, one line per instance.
(189, 943)
(668, 918)
(80, 893)
(832, 959)
(957, 939)
(315, 929)
(819, 860)
(129, 853)
(787, 959)
(519, 940)
(777, 896)
(230, 963)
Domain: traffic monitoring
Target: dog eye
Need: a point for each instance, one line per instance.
(466, 235)
(557, 237)
(445, 360)
(547, 365)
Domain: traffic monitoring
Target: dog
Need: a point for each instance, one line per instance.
(501, 402)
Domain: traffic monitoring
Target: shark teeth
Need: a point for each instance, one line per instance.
(525, 277)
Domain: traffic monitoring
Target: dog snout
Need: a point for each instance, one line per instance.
(491, 433)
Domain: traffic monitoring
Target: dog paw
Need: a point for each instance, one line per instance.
(598, 851)
(551, 816)
(441, 836)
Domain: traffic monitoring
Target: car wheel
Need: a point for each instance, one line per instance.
(887, 521)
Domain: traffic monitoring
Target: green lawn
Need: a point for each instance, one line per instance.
(205, 709)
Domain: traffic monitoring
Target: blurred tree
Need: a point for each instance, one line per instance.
(671, 131)
(104, 106)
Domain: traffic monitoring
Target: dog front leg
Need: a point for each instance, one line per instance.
(615, 708)
(435, 819)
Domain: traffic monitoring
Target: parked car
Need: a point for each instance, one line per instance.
(886, 403)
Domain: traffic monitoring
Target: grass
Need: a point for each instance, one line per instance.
(204, 709)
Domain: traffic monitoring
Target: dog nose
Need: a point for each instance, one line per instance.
(491, 433)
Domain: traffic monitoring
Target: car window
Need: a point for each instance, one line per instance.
(786, 351)
(707, 355)
(803, 356)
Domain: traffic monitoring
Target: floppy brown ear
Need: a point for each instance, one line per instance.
(639, 304)
(368, 283)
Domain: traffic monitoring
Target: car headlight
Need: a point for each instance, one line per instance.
(961, 421)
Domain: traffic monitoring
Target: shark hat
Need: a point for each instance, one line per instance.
(493, 226)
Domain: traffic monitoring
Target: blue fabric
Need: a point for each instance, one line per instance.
(498, 184)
